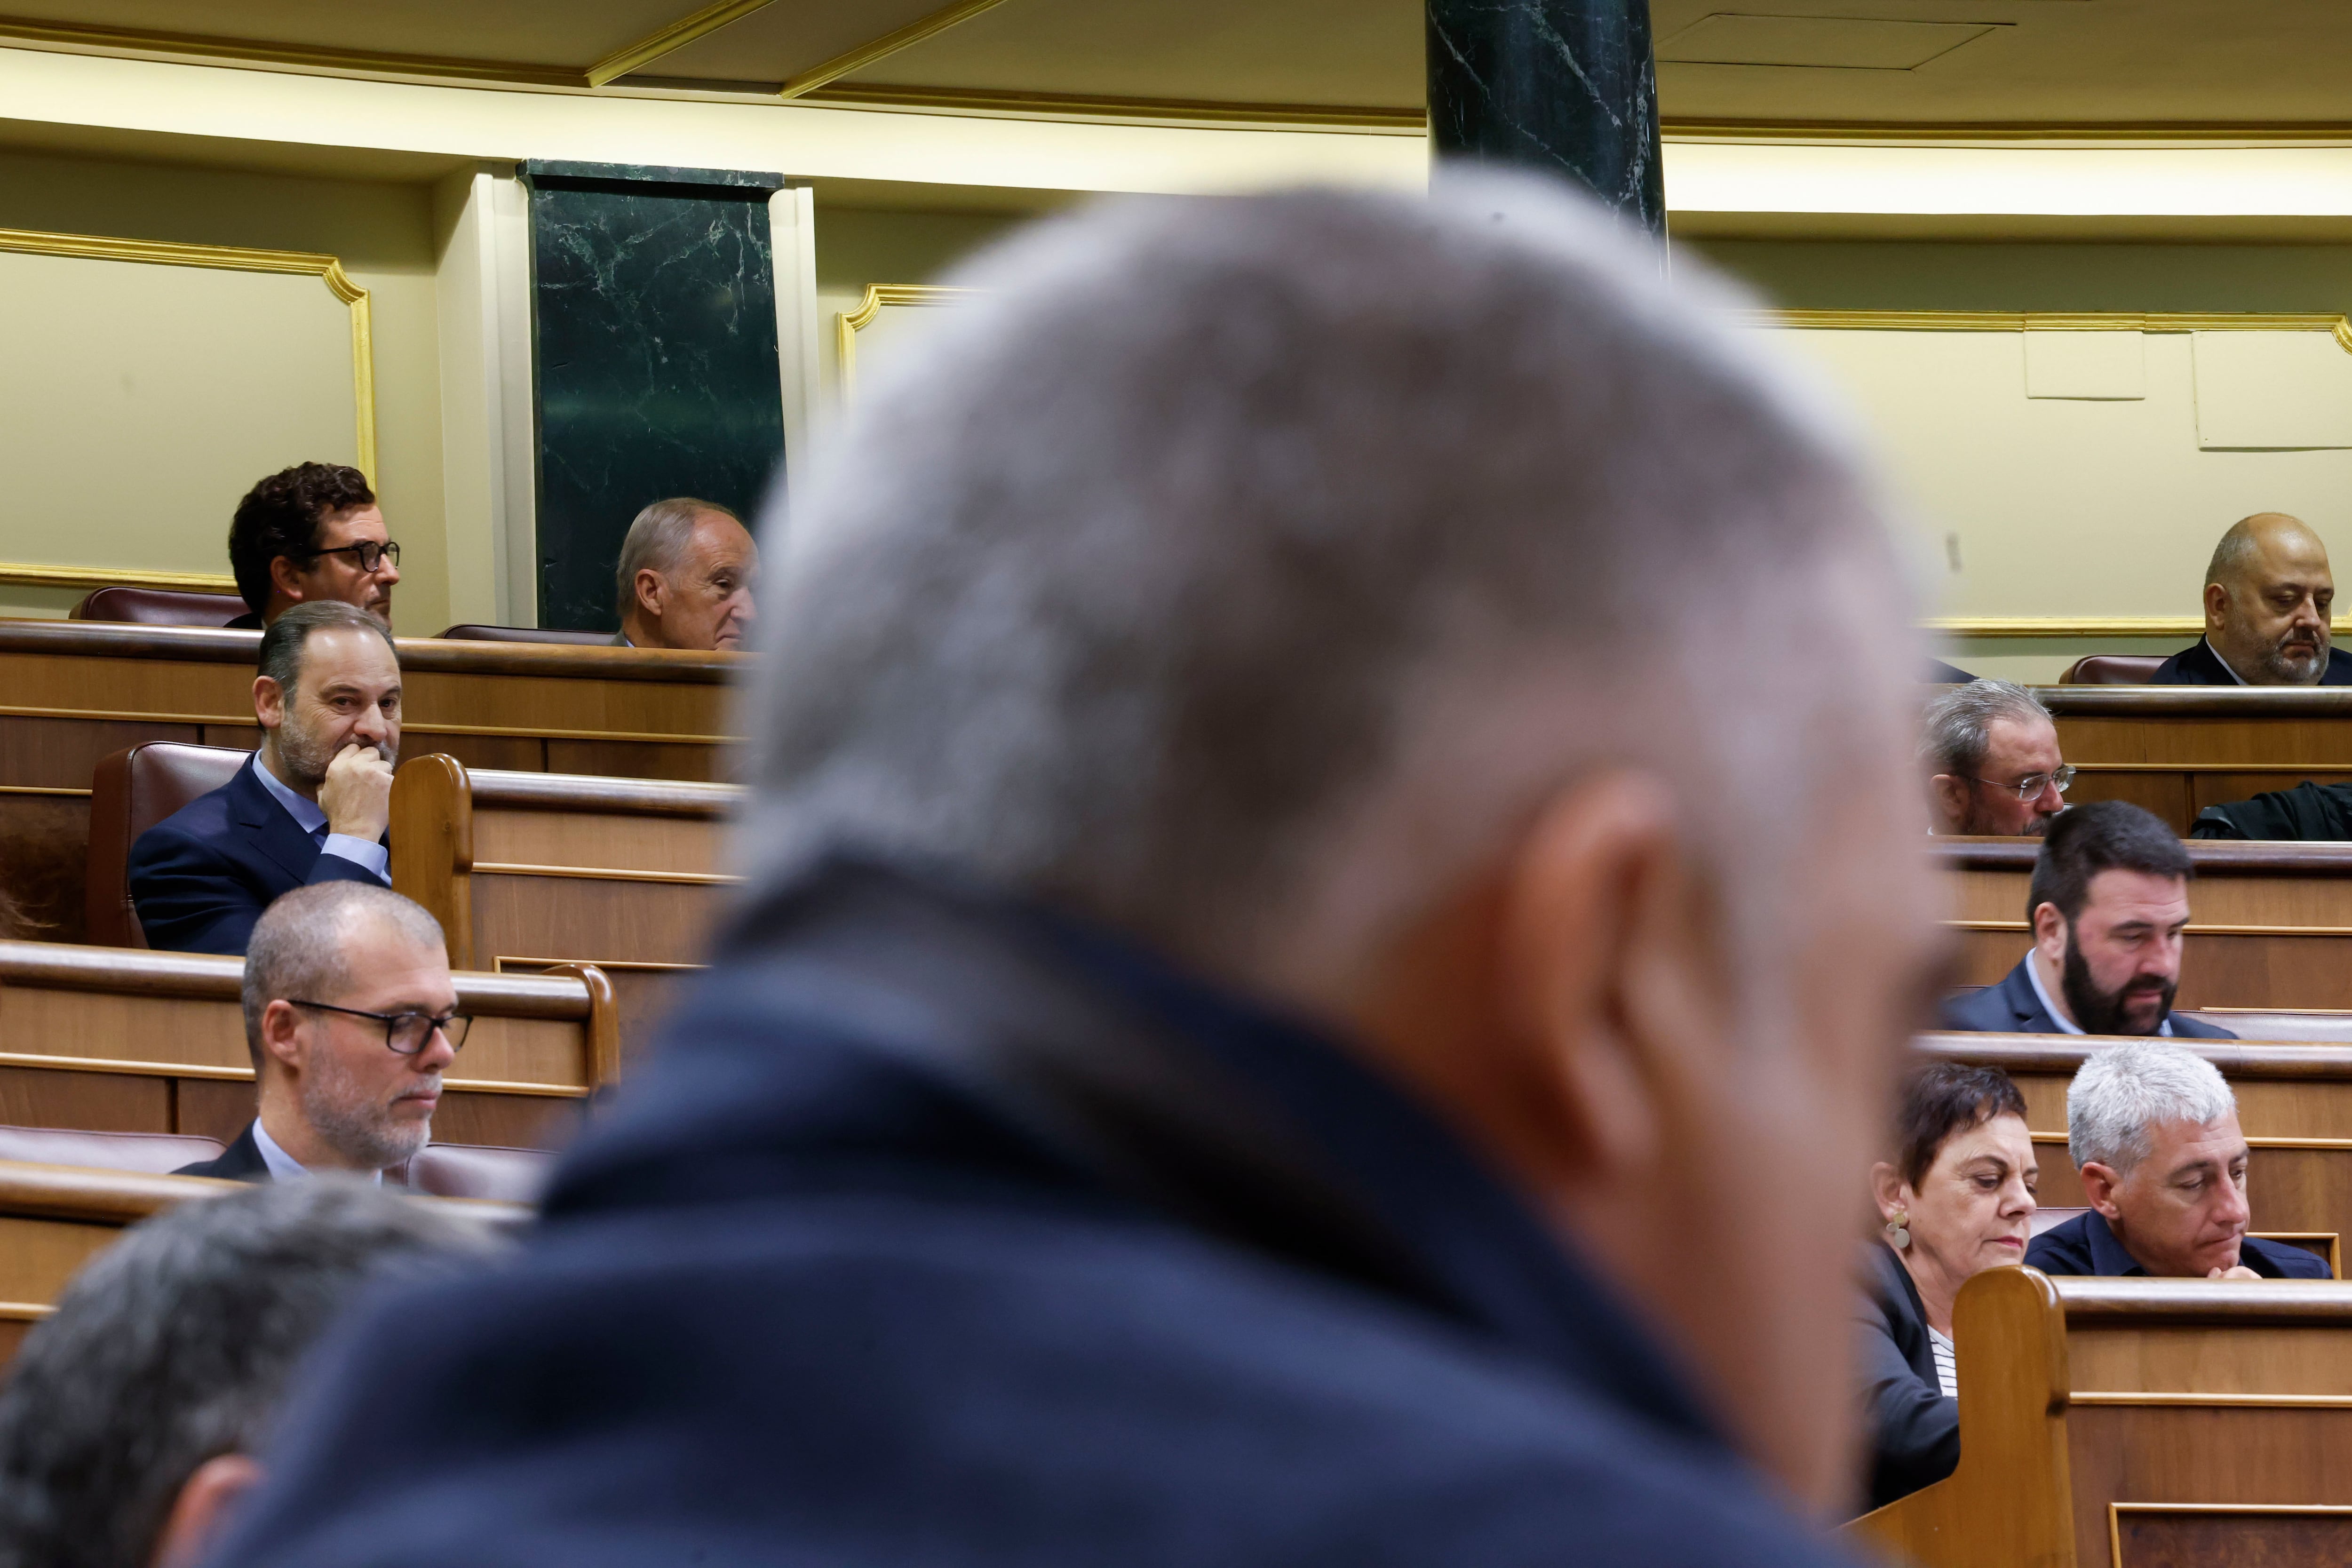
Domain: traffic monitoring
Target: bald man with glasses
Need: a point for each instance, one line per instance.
(352, 1019)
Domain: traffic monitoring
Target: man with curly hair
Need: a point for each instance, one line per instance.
(311, 531)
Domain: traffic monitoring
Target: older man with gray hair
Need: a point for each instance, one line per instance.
(1256, 1021)
(685, 577)
(1990, 751)
(2153, 1130)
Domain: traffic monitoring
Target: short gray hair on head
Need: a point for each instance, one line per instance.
(656, 539)
(177, 1345)
(2121, 1089)
(1243, 571)
(281, 643)
(301, 946)
(1958, 725)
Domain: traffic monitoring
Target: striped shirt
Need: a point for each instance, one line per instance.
(1947, 1369)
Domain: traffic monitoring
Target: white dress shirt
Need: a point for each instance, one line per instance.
(2067, 1025)
(312, 819)
(285, 1167)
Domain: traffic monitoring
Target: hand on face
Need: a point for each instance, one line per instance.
(2181, 1210)
(357, 793)
(346, 700)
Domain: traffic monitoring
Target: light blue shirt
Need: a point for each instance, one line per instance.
(308, 816)
(285, 1167)
(2067, 1025)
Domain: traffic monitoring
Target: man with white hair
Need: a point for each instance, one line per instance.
(1256, 1022)
(1990, 751)
(2153, 1130)
(685, 578)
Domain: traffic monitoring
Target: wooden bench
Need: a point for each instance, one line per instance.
(527, 870)
(2270, 925)
(2295, 1105)
(55, 1218)
(114, 1040)
(2176, 750)
(2141, 1422)
(76, 691)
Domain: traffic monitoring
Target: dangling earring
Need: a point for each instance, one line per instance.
(1898, 1229)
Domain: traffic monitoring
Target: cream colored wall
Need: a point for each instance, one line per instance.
(857, 247)
(2069, 508)
(383, 234)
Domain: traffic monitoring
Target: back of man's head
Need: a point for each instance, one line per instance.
(280, 516)
(309, 943)
(1218, 542)
(175, 1347)
(2105, 835)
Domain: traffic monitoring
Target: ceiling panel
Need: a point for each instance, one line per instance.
(575, 33)
(783, 39)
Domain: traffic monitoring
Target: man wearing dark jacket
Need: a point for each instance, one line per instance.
(312, 806)
(2108, 905)
(1249, 1000)
(2268, 596)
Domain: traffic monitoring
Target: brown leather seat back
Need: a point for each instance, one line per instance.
(2111, 669)
(479, 1171)
(525, 634)
(157, 1153)
(131, 791)
(158, 607)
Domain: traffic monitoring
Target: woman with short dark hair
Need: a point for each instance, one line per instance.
(1956, 1198)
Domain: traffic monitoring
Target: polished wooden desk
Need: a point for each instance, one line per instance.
(2135, 1423)
(116, 1040)
(55, 1218)
(74, 691)
(2176, 750)
(2295, 1105)
(526, 870)
(2271, 923)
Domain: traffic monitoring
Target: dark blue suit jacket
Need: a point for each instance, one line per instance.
(2200, 666)
(201, 877)
(941, 1230)
(240, 1162)
(2085, 1245)
(2012, 1008)
(1913, 1429)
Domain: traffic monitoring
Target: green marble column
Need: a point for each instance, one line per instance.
(1569, 86)
(654, 346)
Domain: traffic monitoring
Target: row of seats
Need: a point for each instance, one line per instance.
(438, 1170)
(173, 608)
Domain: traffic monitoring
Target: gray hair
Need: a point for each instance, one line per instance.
(1958, 725)
(2122, 1088)
(282, 641)
(177, 1345)
(301, 946)
(656, 539)
(1242, 571)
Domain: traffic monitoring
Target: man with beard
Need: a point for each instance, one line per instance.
(2267, 594)
(1993, 766)
(351, 1016)
(2108, 903)
(2154, 1131)
(312, 806)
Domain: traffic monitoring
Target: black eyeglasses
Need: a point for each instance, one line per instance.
(367, 553)
(2032, 785)
(406, 1032)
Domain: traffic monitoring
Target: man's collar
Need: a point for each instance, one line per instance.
(307, 814)
(2227, 667)
(285, 1167)
(2109, 1256)
(2067, 1025)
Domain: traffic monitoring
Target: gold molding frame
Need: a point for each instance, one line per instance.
(26, 574)
(236, 259)
(2116, 1511)
(849, 323)
(888, 44)
(1371, 117)
(2337, 327)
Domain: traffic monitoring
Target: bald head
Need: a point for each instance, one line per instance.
(2267, 598)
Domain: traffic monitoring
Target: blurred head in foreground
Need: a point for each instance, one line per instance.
(129, 1419)
(1416, 612)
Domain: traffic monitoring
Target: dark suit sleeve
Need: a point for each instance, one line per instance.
(2291, 1261)
(2051, 1253)
(1915, 1431)
(190, 896)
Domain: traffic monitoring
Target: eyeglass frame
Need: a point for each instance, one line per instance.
(358, 552)
(2063, 776)
(392, 1021)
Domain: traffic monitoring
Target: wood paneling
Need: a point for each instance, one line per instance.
(2152, 1535)
(2176, 750)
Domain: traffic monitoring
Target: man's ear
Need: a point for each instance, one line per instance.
(281, 1024)
(1605, 973)
(2050, 932)
(286, 577)
(268, 701)
(2217, 606)
(1947, 799)
(201, 1511)
(650, 591)
(2099, 1185)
